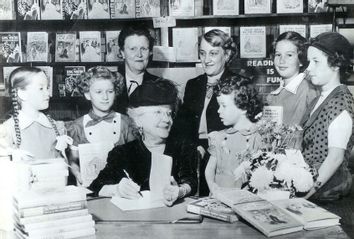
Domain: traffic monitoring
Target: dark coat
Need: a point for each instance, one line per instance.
(135, 158)
(122, 101)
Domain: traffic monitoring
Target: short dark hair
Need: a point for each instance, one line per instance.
(245, 95)
(135, 29)
(300, 43)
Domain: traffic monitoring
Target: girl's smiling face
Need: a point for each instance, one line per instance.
(286, 59)
(101, 95)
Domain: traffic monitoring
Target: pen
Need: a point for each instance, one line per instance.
(127, 174)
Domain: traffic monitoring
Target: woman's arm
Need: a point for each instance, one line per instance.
(328, 168)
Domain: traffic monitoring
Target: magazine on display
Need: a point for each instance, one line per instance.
(7, 10)
(317, 6)
(65, 47)
(181, 8)
(182, 39)
(90, 46)
(51, 10)
(253, 42)
(316, 29)
(10, 47)
(74, 9)
(225, 7)
(28, 10)
(37, 46)
(122, 9)
(112, 53)
(71, 74)
(290, 6)
(98, 9)
(257, 6)
(147, 8)
(301, 29)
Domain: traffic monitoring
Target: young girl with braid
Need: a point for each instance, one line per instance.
(29, 132)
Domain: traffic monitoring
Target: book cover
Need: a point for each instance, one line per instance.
(112, 48)
(74, 9)
(98, 9)
(317, 6)
(273, 113)
(50, 217)
(257, 6)
(316, 29)
(7, 10)
(37, 46)
(147, 8)
(301, 29)
(227, 30)
(71, 74)
(181, 8)
(122, 9)
(225, 7)
(51, 9)
(90, 46)
(253, 42)
(185, 42)
(65, 47)
(10, 47)
(211, 207)
(28, 10)
(290, 6)
(308, 213)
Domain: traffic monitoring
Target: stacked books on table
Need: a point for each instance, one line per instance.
(277, 217)
(56, 213)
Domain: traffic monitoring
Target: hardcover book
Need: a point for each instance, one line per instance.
(122, 9)
(112, 53)
(71, 74)
(301, 29)
(65, 47)
(7, 10)
(183, 39)
(51, 9)
(75, 9)
(28, 10)
(181, 7)
(147, 8)
(290, 6)
(98, 9)
(211, 207)
(225, 7)
(257, 6)
(90, 46)
(37, 46)
(316, 29)
(10, 47)
(253, 42)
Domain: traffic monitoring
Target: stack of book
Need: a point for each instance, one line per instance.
(55, 213)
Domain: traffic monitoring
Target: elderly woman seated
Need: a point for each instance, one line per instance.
(131, 167)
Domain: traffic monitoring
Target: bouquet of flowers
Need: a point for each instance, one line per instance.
(278, 164)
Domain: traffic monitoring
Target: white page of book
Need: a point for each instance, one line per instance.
(160, 174)
(147, 201)
(93, 158)
(273, 113)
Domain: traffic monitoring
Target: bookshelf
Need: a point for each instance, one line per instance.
(66, 108)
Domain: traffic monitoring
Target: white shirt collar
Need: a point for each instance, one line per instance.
(292, 86)
(25, 120)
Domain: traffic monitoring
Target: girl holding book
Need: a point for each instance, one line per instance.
(295, 93)
(100, 86)
(29, 133)
(239, 107)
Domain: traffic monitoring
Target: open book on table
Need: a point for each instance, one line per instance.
(273, 218)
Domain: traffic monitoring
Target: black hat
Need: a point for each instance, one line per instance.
(157, 92)
(333, 43)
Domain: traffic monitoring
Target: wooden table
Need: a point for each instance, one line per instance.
(111, 222)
